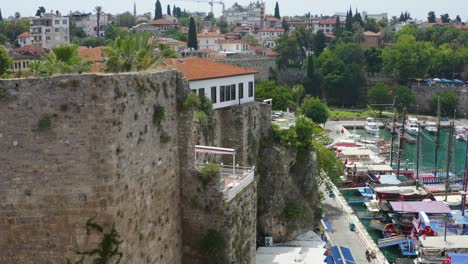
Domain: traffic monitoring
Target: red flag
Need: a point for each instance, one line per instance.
(346, 161)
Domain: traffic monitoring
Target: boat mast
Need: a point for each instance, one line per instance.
(437, 137)
(466, 177)
(417, 154)
(449, 159)
(393, 130)
(400, 145)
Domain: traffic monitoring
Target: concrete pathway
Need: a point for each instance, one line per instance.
(342, 236)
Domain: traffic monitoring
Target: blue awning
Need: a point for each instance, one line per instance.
(327, 226)
(459, 258)
(341, 255)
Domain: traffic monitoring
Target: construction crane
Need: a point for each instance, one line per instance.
(210, 2)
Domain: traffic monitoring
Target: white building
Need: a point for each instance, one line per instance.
(327, 25)
(233, 46)
(226, 85)
(88, 22)
(268, 36)
(377, 17)
(252, 14)
(49, 31)
(209, 41)
(24, 39)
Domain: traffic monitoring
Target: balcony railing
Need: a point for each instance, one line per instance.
(233, 179)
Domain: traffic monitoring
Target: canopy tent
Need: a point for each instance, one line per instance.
(458, 258)
(326, 225)
(429, 207)
(217, 151)
(340, 255)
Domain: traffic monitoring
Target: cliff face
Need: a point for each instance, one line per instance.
(287, 193)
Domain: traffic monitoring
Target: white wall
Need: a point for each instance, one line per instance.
(207, 84)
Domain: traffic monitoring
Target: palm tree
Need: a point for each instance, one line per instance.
(63, 60)
(98, 10)
(358, 33)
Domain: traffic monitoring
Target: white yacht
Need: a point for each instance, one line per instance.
(461, 136)
(412, 125)
(371, 126)
(431, 127)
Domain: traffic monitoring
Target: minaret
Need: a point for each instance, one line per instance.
(134, 8)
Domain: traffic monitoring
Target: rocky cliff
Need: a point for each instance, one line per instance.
(288, 199)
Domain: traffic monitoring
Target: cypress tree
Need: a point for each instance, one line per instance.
(192, 41)
(168, 10)
(277, 13)
(1, 17)
(338, 27)
(349, 20)
(158, 10)
(174, 12)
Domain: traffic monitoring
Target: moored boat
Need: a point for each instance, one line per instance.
(371, 126)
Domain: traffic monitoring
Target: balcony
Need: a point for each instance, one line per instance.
(232, 180)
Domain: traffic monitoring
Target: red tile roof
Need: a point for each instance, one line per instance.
(271, 30)
(371, 34)
(270, 52)
(91, 54)
(24, 35)
(207, 51)
(202, 69)
(232, 41)
(462, 27)
(31, 48)
(327, 21)
(210, 35)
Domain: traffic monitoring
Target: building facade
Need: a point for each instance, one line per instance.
(226, 85)
(24, 39)
(88, 22)
(209, 40)
(252, 14)
(50, 31)
(156, 27)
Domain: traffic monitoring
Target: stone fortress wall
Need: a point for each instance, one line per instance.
(82, 146)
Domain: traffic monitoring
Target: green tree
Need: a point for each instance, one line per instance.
(383, 23)
(130, 53)
(458, 19)
(5, 61)
(277, 12)
(338, 29)
(405, 98)
(319, 42)
(192, 41)
(378, 95)
(358, 33)
(40, 11)
(98, 10)
(431, 17)
(298, 95)
(125, 19)
(250, 39)
(373, 60)
(358, 19)
(315, 109)
(63, 60)
(168, 10)
(1, 17)
(313, 80)
(158, 10)
(112, 32)
(371, 25)
(407, 58)
(349, 20)
(282, 96)
(175, 34)
(448, 103)
(445, 18)
(343, 76)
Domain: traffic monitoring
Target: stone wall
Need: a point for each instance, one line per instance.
(81, 147)
(261, 64)
(77, 147)
(424, 94)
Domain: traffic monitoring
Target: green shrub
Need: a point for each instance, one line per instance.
(191, 101)
(208, 171)
(159, 115)
(44, 123)
(164, 137)
(213, 244)
(292, 211)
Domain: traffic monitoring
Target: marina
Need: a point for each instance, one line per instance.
(408, 192)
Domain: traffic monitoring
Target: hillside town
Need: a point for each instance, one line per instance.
(243, 136)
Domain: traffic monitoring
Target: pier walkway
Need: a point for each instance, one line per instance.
(339, 215)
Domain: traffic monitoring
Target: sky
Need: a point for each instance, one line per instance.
(417, 8)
